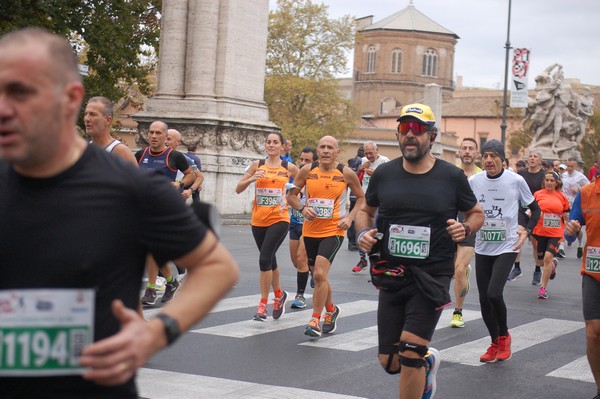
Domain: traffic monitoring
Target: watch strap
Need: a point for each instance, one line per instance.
(172, 330)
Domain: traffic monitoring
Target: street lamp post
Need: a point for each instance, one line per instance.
(504, 102)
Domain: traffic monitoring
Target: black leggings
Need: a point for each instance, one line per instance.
(268, 240)
(492, 273)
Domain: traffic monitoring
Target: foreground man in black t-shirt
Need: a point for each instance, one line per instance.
(77, 224)
(418, 197)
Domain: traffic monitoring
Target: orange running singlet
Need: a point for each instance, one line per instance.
(269, 205)
(590, 209)
(326, 194)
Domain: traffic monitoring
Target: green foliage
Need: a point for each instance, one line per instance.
(307, 109)
(518, 141)
(117, 39)
(305, 51)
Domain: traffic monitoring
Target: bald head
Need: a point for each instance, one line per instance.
(328, 151)
(173, 138)
(329, 139)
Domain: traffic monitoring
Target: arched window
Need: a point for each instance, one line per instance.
(396, 60)
(371, 53)
(430, 61)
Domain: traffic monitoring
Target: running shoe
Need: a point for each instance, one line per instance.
(279, 306)
(261, 312)
(457, 320)
(360, 266)
(561, 253)
(314, 328)
(579, 252)
(490, 355)
(543, 294)
(299, 302)
(554, 264)
(515, 273)
(537, 278)
(433, 360)
(504, 348)
(149, 297)
(330, 321)
(170, 290)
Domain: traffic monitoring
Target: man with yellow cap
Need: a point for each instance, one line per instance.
(412, 248)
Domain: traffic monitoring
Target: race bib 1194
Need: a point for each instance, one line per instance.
(43, 331)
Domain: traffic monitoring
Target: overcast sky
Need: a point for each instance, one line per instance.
(556, 31)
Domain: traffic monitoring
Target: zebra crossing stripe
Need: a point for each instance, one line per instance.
(366, 338)
(576, 370)
(238, 302)
(158, 384)
(249, 328)
(523, 337)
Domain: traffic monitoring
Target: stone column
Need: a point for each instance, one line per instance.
(201, 63)
(211, 89)
(173, 38)
(240, 70)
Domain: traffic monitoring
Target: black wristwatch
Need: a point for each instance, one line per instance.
(172, 331)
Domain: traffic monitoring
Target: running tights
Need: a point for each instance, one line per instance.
(492, 273)
(268, 239)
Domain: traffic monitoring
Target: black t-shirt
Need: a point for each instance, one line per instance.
(533, 180)
(427, 200)
(89, 227)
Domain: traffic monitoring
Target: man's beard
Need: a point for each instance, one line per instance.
(467, 160)
(420, 153)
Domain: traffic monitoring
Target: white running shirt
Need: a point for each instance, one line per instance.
(499, 199)
(577, 179)
(366, 178)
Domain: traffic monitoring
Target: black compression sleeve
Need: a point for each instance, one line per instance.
(535, 215)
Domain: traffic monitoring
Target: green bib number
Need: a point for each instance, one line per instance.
(592, 260)
(267, 200)
(32, 349)
(409, 248)
(493, 230)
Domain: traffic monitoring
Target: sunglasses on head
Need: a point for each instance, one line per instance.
(416, 127)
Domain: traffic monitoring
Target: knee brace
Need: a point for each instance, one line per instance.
(420, 350)
(388, 366)
(410, 362)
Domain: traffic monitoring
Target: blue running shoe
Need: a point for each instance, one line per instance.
(433, 359)
(299, 302)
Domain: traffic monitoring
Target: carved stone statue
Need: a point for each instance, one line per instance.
(558, 116)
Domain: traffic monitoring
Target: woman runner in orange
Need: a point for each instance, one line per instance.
(551, 226)
(270, 219)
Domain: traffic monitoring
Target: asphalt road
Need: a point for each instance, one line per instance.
(228, 355)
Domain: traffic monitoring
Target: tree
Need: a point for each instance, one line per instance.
(117, 39)
(305, 51)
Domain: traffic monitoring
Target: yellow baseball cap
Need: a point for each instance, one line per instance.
(419, 111)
